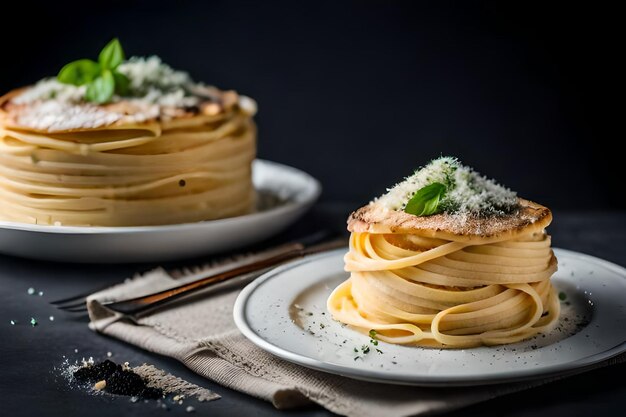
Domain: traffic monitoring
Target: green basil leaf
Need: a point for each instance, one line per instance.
(426, 200)
(111, 55)
(122, 83)
(79, 72)
(101, 89)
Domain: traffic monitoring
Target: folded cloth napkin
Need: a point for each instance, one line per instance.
(200, 332)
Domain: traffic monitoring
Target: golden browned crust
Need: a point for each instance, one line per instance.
(529, 217)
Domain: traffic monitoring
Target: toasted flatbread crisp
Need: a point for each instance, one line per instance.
(527, 218)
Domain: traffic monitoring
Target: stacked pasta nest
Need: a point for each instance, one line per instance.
(456, 278)
(127, 163)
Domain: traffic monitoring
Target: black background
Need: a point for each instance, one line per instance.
(361, 93)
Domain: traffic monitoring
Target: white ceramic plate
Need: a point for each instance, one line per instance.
(286, 193)
(284, 312)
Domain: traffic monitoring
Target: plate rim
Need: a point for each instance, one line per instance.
(312, 196)
(429, 380)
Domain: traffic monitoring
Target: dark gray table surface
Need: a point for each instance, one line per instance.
(29, 384)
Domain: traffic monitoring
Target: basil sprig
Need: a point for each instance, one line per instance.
(102, 78)
(426, 200)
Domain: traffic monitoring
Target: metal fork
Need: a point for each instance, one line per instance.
(272, 257)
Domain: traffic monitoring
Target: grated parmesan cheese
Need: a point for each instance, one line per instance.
(151, 81)
(51, 88)
(468, 192)
(53, 115)
(156, 82)
(152, 72)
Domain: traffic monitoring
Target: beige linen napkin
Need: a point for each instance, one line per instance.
(201, 334)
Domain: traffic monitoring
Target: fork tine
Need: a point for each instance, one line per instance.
(80, 296)
(70, 306)
(82, 309)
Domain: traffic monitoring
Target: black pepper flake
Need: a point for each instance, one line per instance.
(95, 373)
(119, 380)
(151, 393)
(182, 183)
(123, 382)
